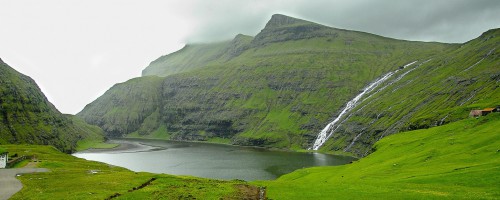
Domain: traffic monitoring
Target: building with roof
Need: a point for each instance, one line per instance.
(475, 113)
(487, 111)
(483, 112)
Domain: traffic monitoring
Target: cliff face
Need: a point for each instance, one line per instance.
(26, 116)
(281, 87)
(125, 107)
(283, 28)
(279, 20)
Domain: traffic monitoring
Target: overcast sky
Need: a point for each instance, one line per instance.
(77, 49)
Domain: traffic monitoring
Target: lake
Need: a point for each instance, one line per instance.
(215, 161)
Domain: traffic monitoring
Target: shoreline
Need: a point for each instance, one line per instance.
(122, 147)
(235, 145)
(125, 145)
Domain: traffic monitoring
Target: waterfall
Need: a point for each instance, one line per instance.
(332, 126)
(485, 56)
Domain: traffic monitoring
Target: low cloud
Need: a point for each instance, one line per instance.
(76, 50)
(425, 20)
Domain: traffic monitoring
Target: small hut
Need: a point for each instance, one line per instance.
(487, 111)
(475, 113)
(4, 157)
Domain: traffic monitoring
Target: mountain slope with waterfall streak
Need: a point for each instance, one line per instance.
(432, 92)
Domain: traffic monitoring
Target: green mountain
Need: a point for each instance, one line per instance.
(27, 117)
(283, 86)
(437, 90)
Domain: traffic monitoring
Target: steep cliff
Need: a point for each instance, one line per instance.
(26, 116)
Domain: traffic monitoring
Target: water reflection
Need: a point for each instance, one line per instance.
(320, 159)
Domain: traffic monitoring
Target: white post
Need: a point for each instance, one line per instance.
(3, 160)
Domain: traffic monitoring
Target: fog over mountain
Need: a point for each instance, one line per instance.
(76, 50)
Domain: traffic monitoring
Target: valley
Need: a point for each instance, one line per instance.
(281, 88)
(277, 90)
(296, 99)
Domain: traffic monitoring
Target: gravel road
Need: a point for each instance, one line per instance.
(9, 184)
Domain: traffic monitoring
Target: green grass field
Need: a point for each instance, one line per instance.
(93, 144)
(460, 160)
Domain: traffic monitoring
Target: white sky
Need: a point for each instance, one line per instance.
(77, 49)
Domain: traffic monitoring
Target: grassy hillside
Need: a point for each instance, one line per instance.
(27, 117)
(277, 89)
(189, 57)
(91, 136)
(125, 107)
(460, 160)
(76, 178)
(437, 90)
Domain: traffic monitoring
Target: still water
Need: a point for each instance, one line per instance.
(208, 160)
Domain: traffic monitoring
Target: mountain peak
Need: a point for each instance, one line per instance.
(282, 28)
(278, 20)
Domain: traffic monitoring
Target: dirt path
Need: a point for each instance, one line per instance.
(9, 184)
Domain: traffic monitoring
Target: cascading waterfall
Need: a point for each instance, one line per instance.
(488, 54)
(332, 126)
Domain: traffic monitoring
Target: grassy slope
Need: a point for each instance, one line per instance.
(93, 136)
(124, 105)
(26, 116)
(460, 160)
(195, 56)
(70, 177)
(442, 90)
(277, 89)
(188, 58)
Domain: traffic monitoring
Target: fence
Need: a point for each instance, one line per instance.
(13, 162)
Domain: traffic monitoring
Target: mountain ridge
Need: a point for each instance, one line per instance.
(278, 90)
(279, 20)
(279, 28)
